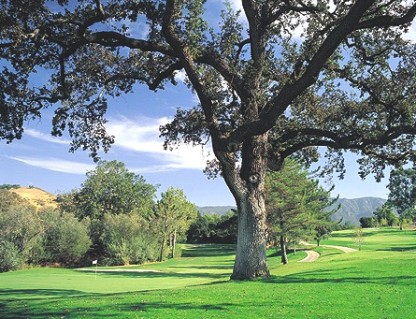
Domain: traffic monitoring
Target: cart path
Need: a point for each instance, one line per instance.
(311, 256)
(342, 248)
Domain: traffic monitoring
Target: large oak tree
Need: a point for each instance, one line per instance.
(285, 78)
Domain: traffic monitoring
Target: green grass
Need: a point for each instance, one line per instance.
(378, 282)
(383, 239)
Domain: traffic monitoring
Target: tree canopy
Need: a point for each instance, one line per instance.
(283, 79)
(110, 188)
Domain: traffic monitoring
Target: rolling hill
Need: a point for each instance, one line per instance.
(36, 196)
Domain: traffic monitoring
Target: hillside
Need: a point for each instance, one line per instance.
(217, 210)
(351, 210)
(36, 196)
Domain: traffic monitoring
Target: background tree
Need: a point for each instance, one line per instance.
(20, 228)
(65, 239)
(297, 206)
(367, 222)
(266, 92)
(174, 214)
(212, 228)
(129, 238)
(109, 189)
(402, 196)
(385, 215)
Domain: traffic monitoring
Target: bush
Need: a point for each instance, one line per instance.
(368, 222)
(128, 239)
(65, 239)
(9, 256)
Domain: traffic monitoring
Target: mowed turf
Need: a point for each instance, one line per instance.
(377, 282)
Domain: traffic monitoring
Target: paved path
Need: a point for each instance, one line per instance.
(311, 256)
(342, 248)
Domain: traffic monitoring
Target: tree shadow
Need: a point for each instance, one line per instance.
(47, 309)
(329, 276)
(153, 274)
(209, 250)
(399, 248)
(34, 294)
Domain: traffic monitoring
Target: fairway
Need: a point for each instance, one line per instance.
(377, 282)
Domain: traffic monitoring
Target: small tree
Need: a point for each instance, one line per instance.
(173, 216)
(385, 215)
(359, 237)
(295, 205)
(402, 196)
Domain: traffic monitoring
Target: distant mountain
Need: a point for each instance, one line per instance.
(217, 210)
(352, 210)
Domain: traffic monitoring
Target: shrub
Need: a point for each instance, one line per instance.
(65, 239)
(128, 239)
(9, 256)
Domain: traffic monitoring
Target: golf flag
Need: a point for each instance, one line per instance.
(94, 262)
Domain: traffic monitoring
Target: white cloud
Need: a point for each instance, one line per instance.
(180, 76)
(141, 135)
(46, 137)
(411, 34)
(55, 164)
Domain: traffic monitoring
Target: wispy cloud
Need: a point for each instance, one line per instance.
(141, 135)
(56, 164)
(46, 137)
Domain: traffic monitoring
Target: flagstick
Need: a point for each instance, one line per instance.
(95, 276)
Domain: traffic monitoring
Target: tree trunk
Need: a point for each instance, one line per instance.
(173, 247)
(162, 248)
(247, 186)
(250, 259)
(283, 250)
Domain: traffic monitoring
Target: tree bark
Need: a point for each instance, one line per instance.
(248, 190)
(283, 250)
(173, 246)
(162, 248)
(250, 261)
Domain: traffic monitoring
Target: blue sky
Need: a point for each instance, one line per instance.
(44, 161)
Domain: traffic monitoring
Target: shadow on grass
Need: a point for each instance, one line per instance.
(47, 309)
(399, 248)
(167, 275)
(38, 293)
(328, 276)
(129, 310)
(208, 250)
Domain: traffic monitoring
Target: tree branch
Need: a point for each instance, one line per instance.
(276, 106)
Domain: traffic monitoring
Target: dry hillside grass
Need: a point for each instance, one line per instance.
(37, 197)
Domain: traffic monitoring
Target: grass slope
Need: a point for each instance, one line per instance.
(36, 196)
(378, 282)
